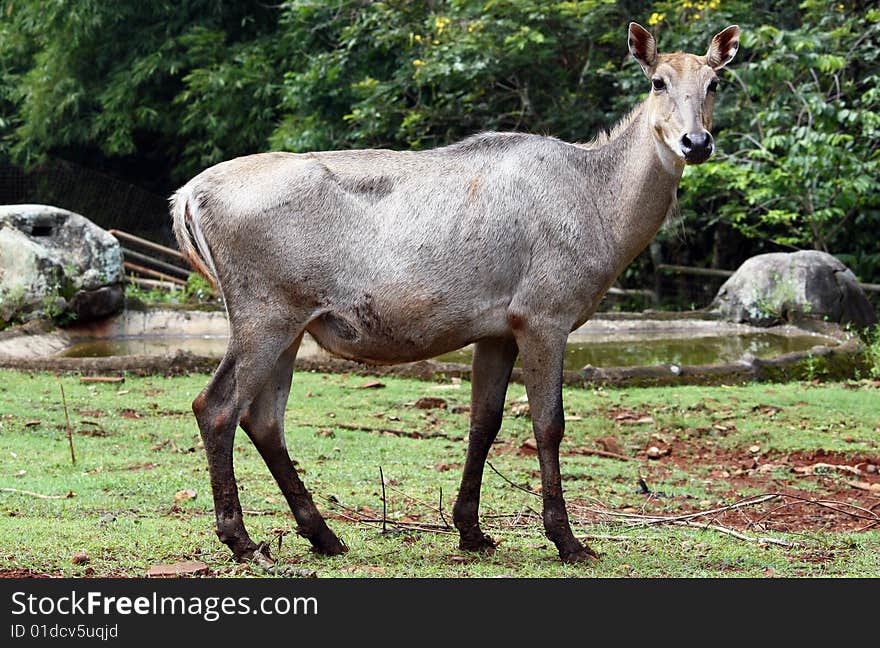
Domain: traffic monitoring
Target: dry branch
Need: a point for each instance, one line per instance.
(69, 429)
(637, 518)
(425, 504)
(600, 453)
(514, 484)
(380, 430)
(384, 516)
(37, 495)
(737, 534)
(410, 526)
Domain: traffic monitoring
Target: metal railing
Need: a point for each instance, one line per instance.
(715, 272)
(151, 271)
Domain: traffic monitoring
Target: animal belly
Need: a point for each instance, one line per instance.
(377, 340)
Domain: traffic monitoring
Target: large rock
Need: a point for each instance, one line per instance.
(772, 288)
(54, 263)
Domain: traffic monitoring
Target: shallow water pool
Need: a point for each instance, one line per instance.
(607, 349)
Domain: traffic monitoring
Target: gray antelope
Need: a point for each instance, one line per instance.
(506, 241)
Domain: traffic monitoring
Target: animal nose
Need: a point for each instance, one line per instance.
(697, 147)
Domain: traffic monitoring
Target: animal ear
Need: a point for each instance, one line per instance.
(643, 47)
(723, 47)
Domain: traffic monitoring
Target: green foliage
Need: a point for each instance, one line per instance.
(153, 295)
(198, 288)
(114, 78)
(419, 74)
(55, 305)
(196, 292)
(872, 351)
(799, 159)
(170, 88)
(10, 303)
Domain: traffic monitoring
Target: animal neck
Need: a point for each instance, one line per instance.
(642, 178)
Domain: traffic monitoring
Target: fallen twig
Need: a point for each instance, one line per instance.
(384, 517)
(102, 379)
(38, 495)
(515, 485)
(414, 526)
(829, 504)
(867, 527)
(425, 504)
(638, 518)
(356, 520)
(634, 519)
(600, 453)
(736, 534)
(489, 516)
(812, 468)
(440, 509)
(382, 430)
(69, 429)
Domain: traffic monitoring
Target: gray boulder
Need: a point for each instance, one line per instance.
(54, 263)
(781, 287)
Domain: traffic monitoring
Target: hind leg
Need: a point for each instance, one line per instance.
(493, 362)
(264, 424)
(248, 363)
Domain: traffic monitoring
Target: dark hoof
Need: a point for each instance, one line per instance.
(580, 555)
(324, 542)
(258, 554)
(482, 544)
(332, 546)
(336, 549)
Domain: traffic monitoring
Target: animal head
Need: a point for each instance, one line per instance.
(683, 91)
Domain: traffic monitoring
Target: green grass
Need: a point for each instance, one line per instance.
(137, 444)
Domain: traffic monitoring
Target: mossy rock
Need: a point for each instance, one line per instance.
(770, 289)
(56, 264)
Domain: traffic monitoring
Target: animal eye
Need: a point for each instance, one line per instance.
(713, 85)
(658, 84)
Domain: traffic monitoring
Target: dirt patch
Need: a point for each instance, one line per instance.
(21, 572)
(816, 490)
(89, 572)
(795, 511)
(819, 490)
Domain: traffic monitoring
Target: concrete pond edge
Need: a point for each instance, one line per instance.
(840, 362)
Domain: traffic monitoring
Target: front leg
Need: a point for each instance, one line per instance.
(542, 349)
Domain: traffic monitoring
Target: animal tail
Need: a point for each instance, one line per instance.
(187, 229)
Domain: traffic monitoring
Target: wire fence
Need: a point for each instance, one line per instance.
(107, 201)
(668, 291)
